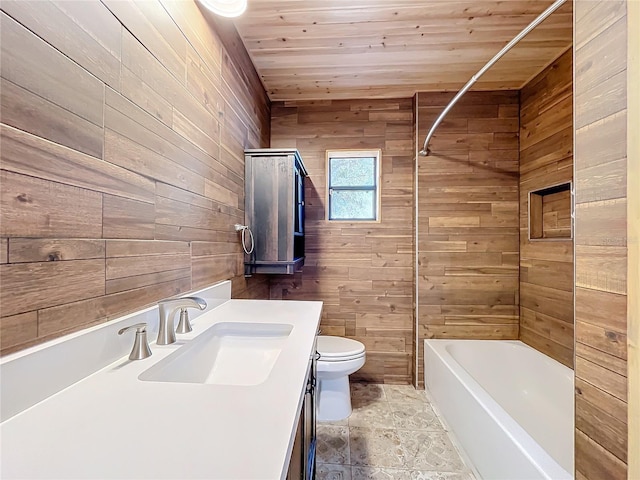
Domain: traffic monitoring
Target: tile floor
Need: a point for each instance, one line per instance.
(392, 434)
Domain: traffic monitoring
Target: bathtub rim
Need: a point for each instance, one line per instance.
(530, 448)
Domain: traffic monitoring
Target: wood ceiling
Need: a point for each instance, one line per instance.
(329, 49)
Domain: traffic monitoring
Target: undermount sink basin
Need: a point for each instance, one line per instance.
(228, 353)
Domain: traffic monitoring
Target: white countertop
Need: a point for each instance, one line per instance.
(111, 425)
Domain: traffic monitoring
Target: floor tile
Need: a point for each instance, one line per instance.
(372, 415)
(415, 416)
(325, 471)
(426, 450)
(332, 444)
(380, 447)
(404, 393)
(379, 473)
(393, 433)
(366, 393)
(426, 475)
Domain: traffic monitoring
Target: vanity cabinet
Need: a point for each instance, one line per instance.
(274, 210)
(302, 465)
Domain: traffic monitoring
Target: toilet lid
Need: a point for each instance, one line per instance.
(338, 347)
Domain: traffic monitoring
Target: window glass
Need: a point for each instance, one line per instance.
(353, 178)
(353, 204)
(353, 172)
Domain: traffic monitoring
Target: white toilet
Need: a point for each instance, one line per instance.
(339, 358)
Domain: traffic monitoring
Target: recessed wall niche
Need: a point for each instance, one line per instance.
(550, 213)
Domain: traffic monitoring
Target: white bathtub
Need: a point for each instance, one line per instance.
(510, 406)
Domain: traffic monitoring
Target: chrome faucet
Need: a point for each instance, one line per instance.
(168, 309)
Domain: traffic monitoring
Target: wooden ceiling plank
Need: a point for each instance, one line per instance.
(321, 49)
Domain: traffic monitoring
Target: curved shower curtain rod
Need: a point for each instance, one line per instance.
(425, 149)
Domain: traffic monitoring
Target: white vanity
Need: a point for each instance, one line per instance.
(72, 410)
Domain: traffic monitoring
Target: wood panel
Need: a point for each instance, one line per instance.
(4, 250)
(373, 49)
(32, 286)
(34, 114)
(87, 34)
(113, 129)
(126, 218)
(39, 72)
(633, 235)
(361, 270)
(467, 203)
(25, 250)
(601, 241)
(17, 329)
(33, 207)
(595, 460)
(148, 263)
(34, 156)
(69, 317)
(546, 159)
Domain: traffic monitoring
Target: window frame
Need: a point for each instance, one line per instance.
(349, 153)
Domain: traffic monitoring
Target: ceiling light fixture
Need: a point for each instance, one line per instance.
(226, 8)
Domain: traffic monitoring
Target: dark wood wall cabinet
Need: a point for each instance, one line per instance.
(274, 210)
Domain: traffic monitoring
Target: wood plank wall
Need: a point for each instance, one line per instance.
(417, 146)
(362, 270)
(123, 129)
(467, 204)
(546, 158)
(601, 239)
(633, 235)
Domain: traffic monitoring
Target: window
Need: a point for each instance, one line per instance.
(353, 185)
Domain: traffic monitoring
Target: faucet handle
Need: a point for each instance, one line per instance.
(184, 325)
(140, 348)
(140, 328)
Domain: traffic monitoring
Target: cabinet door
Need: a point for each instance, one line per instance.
(309, 435)
(302, 464)
(298, 234)
(270, 191)
(296, 464)
(299, 202)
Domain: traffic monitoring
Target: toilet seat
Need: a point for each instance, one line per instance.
(338, 349)
(341, 359)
